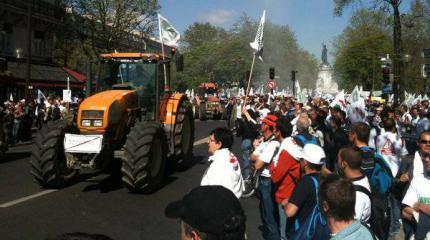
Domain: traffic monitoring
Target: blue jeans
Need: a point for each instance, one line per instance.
(268, 211)
(282, 222)
(246, 148)
(395, 215)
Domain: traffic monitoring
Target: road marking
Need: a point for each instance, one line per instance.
(24, 199)
(39, 194)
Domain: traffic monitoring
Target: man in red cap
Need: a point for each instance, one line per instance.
(266, 148)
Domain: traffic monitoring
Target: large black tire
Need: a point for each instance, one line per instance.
(144, 161)
(184, 136)
(202, 112)
(48, 160)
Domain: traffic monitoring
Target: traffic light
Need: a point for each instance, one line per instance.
(293, 75)
(386, 75)
(272, 73)
(426, 70)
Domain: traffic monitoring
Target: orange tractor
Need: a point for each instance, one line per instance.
(207, 102)
(132, 126)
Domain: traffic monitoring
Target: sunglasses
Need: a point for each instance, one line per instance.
(425, 142)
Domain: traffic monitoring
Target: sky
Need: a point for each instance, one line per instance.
(312, 21)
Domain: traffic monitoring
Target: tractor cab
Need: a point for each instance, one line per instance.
(142, 73)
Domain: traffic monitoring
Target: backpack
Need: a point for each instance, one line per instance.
(301, 140)
(315, 226)
(377, 171)
(380, 213)
(381, 180)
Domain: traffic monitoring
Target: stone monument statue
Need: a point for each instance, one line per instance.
(324, 55)
(325, 82)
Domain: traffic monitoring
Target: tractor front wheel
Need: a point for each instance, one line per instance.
(144, 161)
(48, 160)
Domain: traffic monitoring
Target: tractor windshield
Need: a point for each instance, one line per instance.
(136, 74)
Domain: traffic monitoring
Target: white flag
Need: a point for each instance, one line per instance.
(257, 44)
(40, 96)
(355, 95)
(168, 34)
(297, 87)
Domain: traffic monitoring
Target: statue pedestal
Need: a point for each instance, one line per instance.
(325, 82)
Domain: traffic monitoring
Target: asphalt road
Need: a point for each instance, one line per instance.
(100, 204)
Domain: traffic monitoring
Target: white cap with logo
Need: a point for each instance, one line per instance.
(314, 154)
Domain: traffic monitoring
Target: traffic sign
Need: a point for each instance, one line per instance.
(271, 84)
(386, 88)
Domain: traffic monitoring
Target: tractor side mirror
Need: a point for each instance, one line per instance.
(179, 62)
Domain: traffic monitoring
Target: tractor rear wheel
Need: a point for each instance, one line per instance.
(144, 161)
(184, 136)
(48, 160)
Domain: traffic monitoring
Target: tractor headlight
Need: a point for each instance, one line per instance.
(86, 123)
(98, 123)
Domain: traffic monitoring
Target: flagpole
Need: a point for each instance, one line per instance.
(249, 81)
(166, 88)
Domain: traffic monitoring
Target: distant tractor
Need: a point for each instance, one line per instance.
(207, 102)
(132, 126)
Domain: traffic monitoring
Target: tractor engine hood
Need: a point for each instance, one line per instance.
(105, 109)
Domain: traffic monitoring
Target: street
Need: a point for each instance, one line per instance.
(99, 204)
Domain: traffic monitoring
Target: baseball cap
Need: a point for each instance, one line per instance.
(270, 120)
(209, 209)
(314, 154)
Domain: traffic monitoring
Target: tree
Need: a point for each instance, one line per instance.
(340, 5)
(113, 24)
(416, 37)
(358, 49)
(224, 56)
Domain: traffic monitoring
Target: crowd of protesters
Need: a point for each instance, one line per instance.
(19, 118)
(377, 166)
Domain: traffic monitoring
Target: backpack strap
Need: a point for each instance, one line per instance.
(300, 140)
(359, 188)
(315, 181)
(370, 230)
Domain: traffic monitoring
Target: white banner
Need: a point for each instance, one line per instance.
(83, 143)
(67, 95)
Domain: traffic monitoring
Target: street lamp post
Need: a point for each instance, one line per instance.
(28, 59)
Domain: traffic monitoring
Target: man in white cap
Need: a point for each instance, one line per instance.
(304, 198)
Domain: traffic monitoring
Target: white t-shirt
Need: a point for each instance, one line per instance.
(391, 147)
(239, 111)
(362, 201)
(225, 171)
(418, 165)
(418, 191)
(266, 152)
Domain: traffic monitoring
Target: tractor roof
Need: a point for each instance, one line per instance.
(208, 85)
(139, 55)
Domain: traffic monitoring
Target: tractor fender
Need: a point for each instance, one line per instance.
(169, 107)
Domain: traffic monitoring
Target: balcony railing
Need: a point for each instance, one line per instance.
(38, 7)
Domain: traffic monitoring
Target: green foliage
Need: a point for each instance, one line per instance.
(109, 24)
(369, 37)
(358, 49)
(416, 36)
(214, 54)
